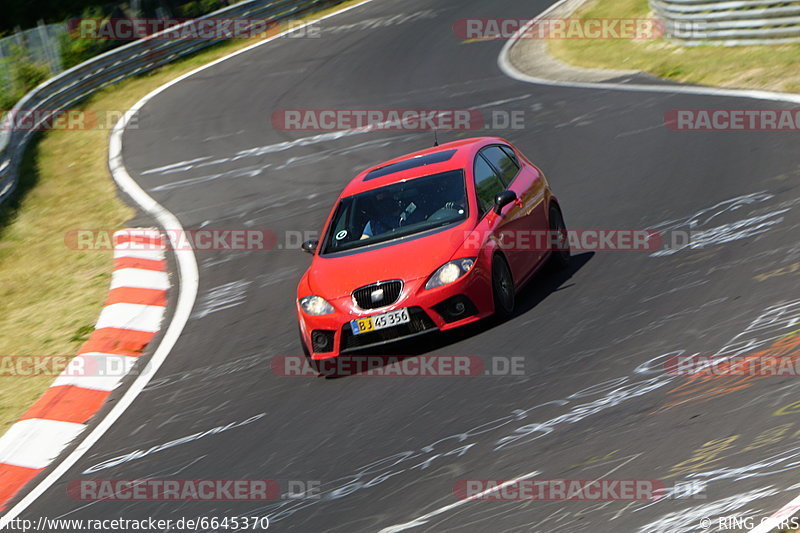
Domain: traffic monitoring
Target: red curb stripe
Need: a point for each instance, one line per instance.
(137, 262)
(117, 341)
(135, 295)
(67, 403)
(13, 478)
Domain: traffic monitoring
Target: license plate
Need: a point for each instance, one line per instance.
(374, 323)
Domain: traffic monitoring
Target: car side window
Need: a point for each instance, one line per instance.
(510, 152)
(487, 184)
(505, 165)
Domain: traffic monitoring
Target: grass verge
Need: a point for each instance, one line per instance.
(772, 67)
(50, 295)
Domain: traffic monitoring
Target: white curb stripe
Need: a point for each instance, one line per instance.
(35, 442)
(131, 316)
(139, 278)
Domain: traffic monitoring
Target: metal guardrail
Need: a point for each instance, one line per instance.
(730, 23)
(58, 93)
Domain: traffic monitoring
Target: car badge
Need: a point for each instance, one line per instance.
(376, 296)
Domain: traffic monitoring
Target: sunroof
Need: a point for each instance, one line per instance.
(420, 161)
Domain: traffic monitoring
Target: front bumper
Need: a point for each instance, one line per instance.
(460, 303)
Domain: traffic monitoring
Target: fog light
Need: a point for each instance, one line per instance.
(322, 341)
(455, 308)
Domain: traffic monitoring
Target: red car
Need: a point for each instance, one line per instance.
(416, 245)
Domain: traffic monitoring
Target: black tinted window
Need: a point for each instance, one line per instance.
(504, 164)
(487, 184)
(398, 210)
(419, 161)
(511, 154)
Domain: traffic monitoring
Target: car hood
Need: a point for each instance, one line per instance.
(336, 276)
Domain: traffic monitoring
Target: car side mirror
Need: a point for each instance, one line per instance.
(310, 246)
(502, 199)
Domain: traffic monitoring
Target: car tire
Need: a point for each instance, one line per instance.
(559, 258)
(502, 288)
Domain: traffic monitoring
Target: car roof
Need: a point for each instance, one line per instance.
(449, 156)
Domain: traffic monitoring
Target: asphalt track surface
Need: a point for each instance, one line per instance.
(594, 400)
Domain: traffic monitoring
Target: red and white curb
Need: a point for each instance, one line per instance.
(131, 317)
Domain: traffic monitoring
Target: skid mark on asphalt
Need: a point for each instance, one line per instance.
(741, 229)
(511, 431)
(253, 171)
(703, 233)
(669, 318)
(260, 151)
(683, 287)
(140, 453)
(278, 276)
(226, 296)
(607, 395)
(447, 449)
(208, 374)
(216, 261)
(424, 519)
(380, 22)
(302, 160)
(170, 472)
(183, 164)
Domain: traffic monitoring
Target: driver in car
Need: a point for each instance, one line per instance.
(388, 214)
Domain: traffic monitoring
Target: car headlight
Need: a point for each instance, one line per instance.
(316, 305)
(450, 272)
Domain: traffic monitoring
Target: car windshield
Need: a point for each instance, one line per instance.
(397, 210)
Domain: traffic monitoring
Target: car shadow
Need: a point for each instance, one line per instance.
(532, 294)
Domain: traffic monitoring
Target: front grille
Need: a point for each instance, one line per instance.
(420, 322)
(386, 292)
